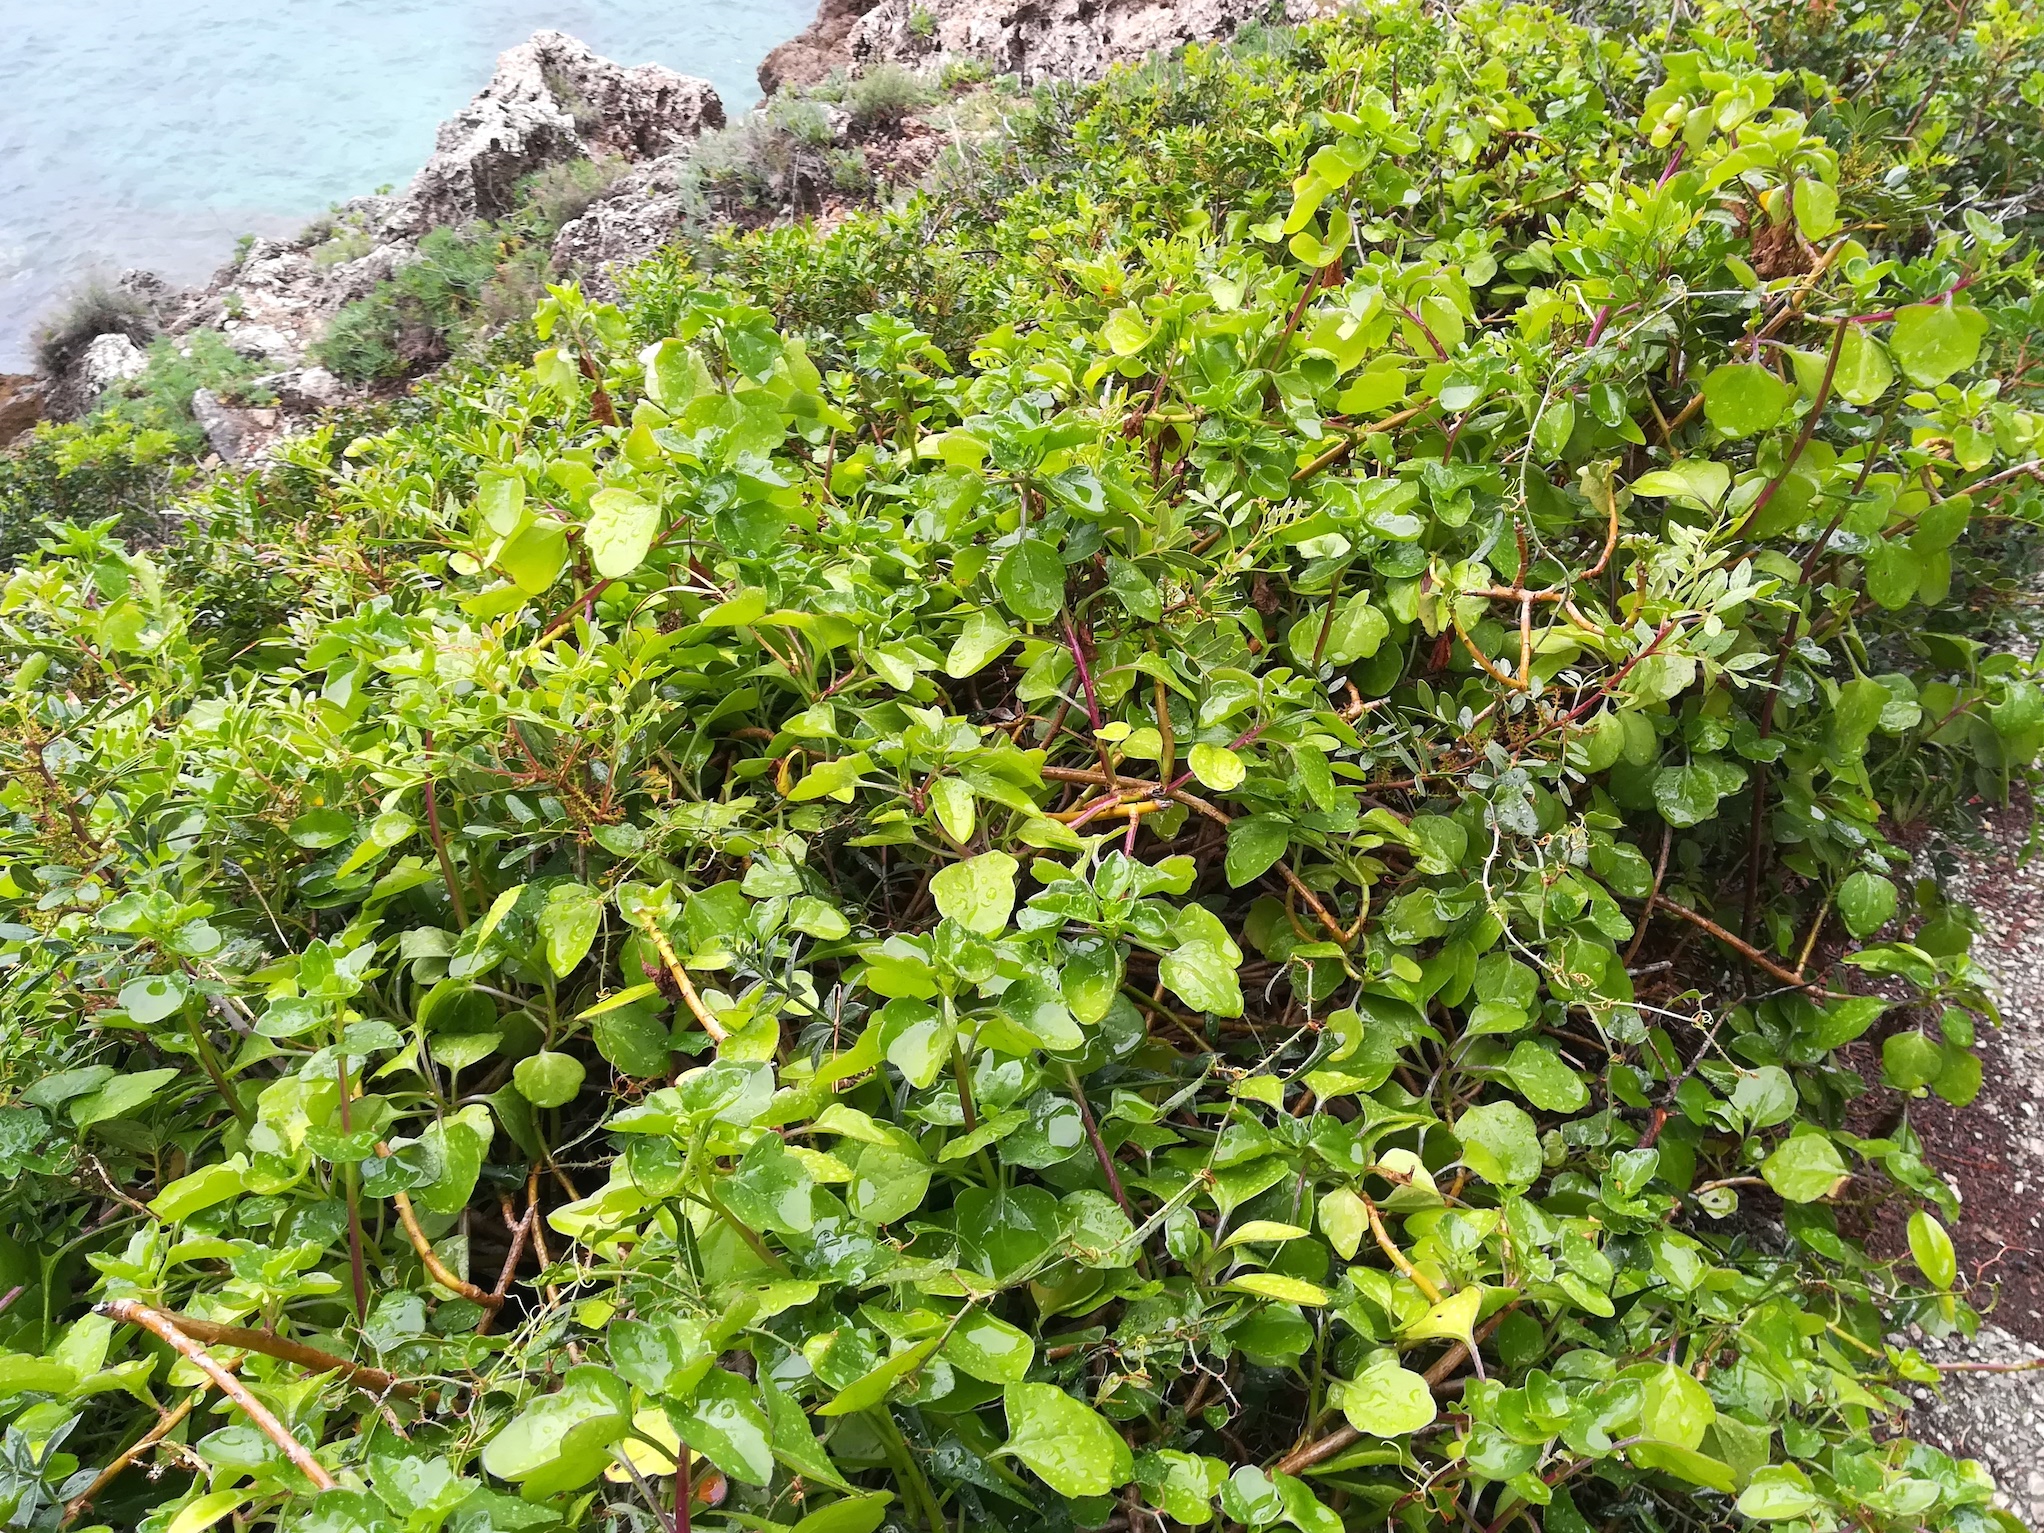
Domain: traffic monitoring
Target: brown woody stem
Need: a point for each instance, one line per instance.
(374, 1380)
(1739, 945)
(164, 1329)
(1399, 1259)
(687, 987)
(438, 1270)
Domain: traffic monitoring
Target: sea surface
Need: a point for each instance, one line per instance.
(155, 132)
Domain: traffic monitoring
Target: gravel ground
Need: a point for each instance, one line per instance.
(1997, 1418)
(1993, 1151)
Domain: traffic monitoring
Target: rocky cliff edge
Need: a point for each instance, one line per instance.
(553, 100)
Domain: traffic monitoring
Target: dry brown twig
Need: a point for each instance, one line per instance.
(438, 1270)
(165, 1330)
(375, 1381)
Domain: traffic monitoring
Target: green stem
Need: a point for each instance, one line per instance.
(745, 1231)
(433, 829)
(961, 1072)
(1327, 622)
(358, 1270)
(1106, 1158)
(211, 1064)
(905, 1466)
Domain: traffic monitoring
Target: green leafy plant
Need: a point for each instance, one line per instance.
(1226, 892)
(349, 242)
(560, 193)
(107, 469)
(417, 316)
(159, 398)
(885, 94)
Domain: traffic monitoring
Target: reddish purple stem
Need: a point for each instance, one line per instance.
(1887, 314)
(1111, 801)
(1604, 314)
(1085, 672)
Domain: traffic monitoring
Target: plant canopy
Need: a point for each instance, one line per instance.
(1182, 838)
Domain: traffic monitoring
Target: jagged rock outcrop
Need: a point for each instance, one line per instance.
(810, 55)
(281, 295)
(105, 361)
(233, 432)
(1035, 39)
(21, 404)
(551, 99)
(644, 210)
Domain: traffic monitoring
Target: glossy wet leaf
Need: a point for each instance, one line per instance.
(1343, 1220)
(548, 1079)
(1255, 843)
(1276, 1285)
(1302, 1509)
(1932, 341)
(1686, 1464)
(794, 1442)
(1866, 902)
(1216, 767)
(619, 532)
(982, 638)
(1778, 1493)
(195, 1516)
(120, 1096)
(568, 925)
(951, 799)
(1500, 1143)
(1007, 1232)
(1201, 969)
(1454, 1318)
(1181, 1484)
(1742, 398)
(854, 1514)
(561, 1440)
(153, 998)
(1031, 580)
(1542, 1078)
(1864, 372)
(978, 892)
(990, 1349)
(722, 1421)
(1068, 1444)
(1675, 1409)
(1386, 1400)
(1090, 979)
(770, 1189)
(1804, 1168)
(1931, 1248)
(887, 1182)
(877, 1383)
(1702, 481)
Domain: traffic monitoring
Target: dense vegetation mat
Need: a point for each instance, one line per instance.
(1180, 835)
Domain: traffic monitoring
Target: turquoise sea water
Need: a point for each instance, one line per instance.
(154, 132)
